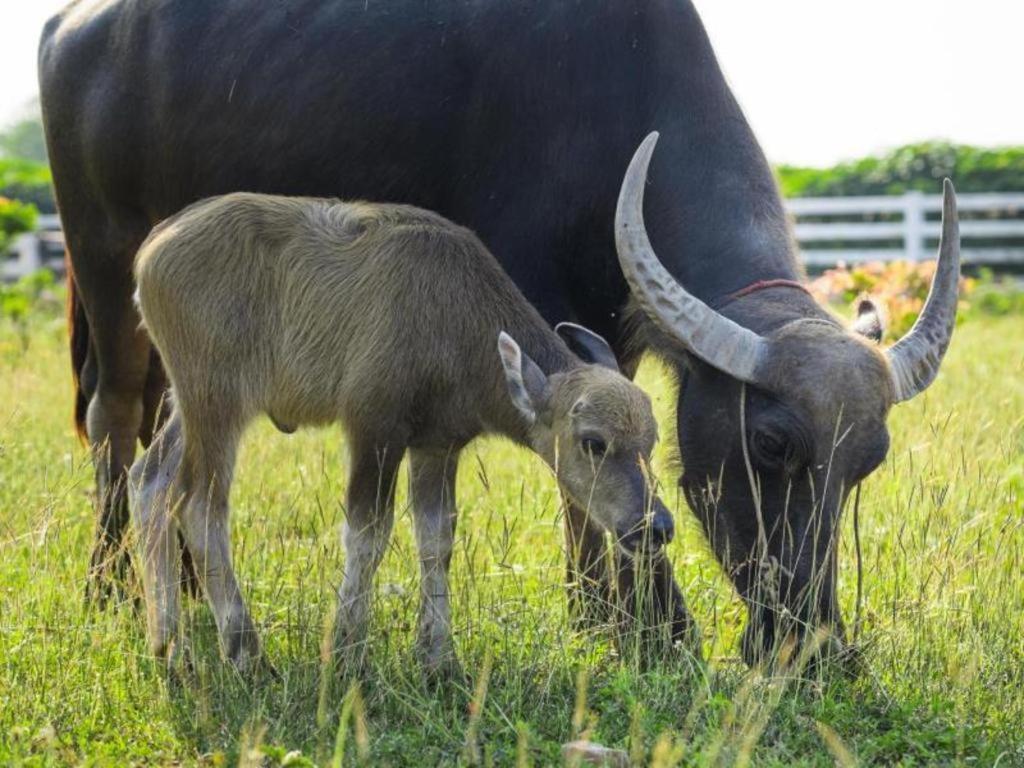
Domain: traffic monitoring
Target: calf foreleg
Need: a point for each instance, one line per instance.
(432, 484)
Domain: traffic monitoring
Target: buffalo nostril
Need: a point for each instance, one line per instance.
(662, 527)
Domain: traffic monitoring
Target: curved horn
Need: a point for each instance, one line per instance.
(914, 360)
(713, 338)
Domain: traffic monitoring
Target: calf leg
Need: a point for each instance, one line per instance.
(208, 466)
(432, 485)
(370, 517)
(156, 412)
(152, 483)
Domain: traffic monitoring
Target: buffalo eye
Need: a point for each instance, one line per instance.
(595, 446)
(770, 447)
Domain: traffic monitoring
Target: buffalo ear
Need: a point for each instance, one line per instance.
(870, 321)
(587, 345)
(527, 384)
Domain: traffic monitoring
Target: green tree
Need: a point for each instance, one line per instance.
(24, 139)
(15, 217)
(29, 182)
(918, 167)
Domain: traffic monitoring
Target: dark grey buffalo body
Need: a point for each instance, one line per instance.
(516, 119)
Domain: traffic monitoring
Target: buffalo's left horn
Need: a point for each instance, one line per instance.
(705, 333)
(914, 360)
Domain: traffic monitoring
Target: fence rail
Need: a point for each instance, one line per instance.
(830, 230)
(35, 250)
(914, 220)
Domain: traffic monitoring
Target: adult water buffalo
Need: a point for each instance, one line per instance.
(517, 120)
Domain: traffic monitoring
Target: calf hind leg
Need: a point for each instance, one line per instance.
(152, 494)
(370, 517)
(156, 411)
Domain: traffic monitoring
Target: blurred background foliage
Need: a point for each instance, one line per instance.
(915, 167)
(898, 287)
(15, 217)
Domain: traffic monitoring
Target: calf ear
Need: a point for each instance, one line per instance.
(527, 384)
(587, 345)
(870, 321)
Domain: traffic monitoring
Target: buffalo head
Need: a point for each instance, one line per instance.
(777, 426)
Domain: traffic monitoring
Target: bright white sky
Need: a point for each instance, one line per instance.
(820, 80)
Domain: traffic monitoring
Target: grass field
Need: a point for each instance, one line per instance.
(942, 525)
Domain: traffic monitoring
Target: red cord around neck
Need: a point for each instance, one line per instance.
(760, 285)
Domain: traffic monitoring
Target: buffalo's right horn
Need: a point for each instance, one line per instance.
(914, 360)
(702, 331)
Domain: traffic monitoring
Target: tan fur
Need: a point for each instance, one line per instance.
(384, 318)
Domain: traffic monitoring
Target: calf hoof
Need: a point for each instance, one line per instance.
(350, 655)
(257, 669)
(177, 661)
(180, 662)
(110, 579)
(243, 650)
(442, 667)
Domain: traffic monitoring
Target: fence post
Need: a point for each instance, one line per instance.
(29, 249)
(913, 225)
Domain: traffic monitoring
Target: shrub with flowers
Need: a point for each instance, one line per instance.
(899, 288)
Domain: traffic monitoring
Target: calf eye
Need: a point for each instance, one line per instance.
(595, 446)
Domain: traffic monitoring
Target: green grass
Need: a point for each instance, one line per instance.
(943, 618)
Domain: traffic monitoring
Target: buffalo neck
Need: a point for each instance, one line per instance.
(714, 211)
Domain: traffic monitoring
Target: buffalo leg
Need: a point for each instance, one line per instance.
(113, 420)
(650, 602)
(590, 594)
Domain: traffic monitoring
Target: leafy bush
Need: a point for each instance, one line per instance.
(27, 181)
(997, 295)
(15, 217)
(32, 299)
(899, 288)
(918, 167)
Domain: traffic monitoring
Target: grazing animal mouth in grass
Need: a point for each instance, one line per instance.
(940, 647)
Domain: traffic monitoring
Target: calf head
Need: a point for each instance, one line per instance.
(596, 429)
(776, 427)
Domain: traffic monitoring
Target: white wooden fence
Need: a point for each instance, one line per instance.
(35, 250)
(912, 219)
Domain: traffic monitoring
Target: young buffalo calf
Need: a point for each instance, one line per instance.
(398, 324)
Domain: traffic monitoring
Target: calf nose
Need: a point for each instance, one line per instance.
(654, 532)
